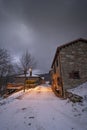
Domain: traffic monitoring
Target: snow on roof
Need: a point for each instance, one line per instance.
(28, 75)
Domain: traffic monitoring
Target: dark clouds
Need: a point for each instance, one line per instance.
(40, 26)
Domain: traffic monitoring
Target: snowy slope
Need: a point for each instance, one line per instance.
(80, 90)
(40, 109)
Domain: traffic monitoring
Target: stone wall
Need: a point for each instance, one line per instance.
(74, 59)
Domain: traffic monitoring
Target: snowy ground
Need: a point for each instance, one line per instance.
(40, 109)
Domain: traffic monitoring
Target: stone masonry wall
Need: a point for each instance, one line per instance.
(74, 58)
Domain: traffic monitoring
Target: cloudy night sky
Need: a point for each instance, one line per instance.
(40, 26)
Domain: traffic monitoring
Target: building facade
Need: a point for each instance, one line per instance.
(69, 67)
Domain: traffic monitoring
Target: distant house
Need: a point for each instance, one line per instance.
(19, 81)
(69, 66)
(21, 78)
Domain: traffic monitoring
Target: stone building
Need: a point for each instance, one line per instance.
(69, 66)
(20, 79)
(20, 82)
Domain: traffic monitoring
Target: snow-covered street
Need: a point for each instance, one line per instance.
(40, 109)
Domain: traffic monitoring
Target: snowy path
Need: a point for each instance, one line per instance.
(40, 109)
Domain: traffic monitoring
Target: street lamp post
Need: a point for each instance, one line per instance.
(30, 71)
(25, 79)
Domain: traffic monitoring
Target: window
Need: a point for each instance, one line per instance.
(74, 75)
(54, 69)
(57, 62)
(59, 81)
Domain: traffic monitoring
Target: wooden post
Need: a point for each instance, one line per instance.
(25, 80)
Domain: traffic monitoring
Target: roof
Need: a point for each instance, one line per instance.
(65, 45)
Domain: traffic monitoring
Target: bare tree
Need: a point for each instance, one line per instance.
(4, 62)
(6, 67)
(26, 62)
